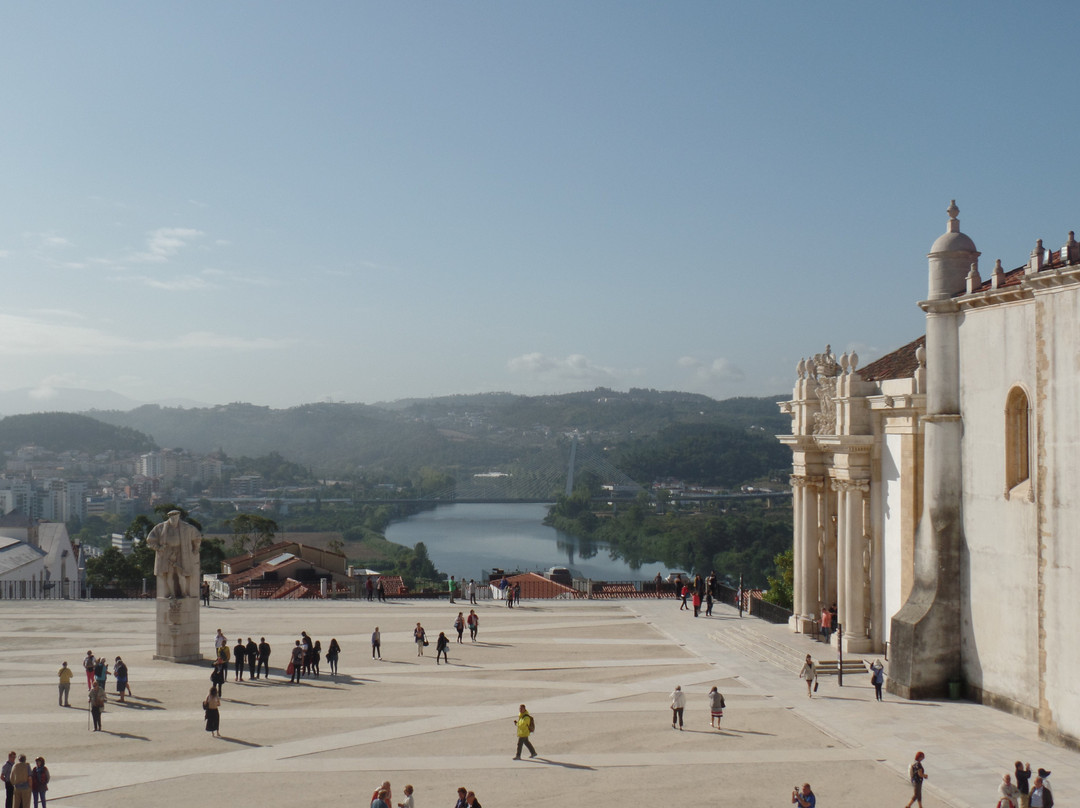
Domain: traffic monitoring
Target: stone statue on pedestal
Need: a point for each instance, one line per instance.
(176, 564)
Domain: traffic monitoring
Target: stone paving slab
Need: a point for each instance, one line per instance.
(595, 674)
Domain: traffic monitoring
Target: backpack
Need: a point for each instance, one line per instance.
(722, 705)
(98, 699)
(532, 724)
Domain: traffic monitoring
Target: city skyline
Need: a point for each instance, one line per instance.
(365, 202)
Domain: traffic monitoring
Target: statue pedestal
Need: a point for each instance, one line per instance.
(178, 630)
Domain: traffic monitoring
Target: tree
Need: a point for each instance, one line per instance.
(253, 529)
(211, 554)
(782, 586)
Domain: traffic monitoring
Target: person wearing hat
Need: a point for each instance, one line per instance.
(39, 781)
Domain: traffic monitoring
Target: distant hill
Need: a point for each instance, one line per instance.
(465, 432)
(62, 431)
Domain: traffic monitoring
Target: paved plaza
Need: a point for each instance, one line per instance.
(595, 674)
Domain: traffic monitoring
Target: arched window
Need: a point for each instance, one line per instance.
(1017, 440)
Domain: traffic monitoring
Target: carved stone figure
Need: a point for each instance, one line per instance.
(177, 562)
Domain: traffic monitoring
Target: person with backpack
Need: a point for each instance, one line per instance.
(120, 671)
(459, 625)
(525, 726)
(441, 646)
(88, 665)
(474, 624)
(101, 672)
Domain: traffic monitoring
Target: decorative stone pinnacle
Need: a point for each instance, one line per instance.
(954, 223)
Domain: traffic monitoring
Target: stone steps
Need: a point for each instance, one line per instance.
(758, 646)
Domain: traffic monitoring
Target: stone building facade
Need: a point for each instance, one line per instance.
(937, 490)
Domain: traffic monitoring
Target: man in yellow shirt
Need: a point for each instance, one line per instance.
(65, 673)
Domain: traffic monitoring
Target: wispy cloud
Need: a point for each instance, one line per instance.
(24, 335)
(718, 370)
(165, 242)
(184, 283)
(575, 367)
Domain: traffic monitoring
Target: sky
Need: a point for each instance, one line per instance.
(281, 202)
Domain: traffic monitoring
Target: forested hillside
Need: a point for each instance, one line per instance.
(64, 431)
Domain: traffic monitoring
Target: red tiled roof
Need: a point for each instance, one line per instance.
(900, 364)
(534, 585)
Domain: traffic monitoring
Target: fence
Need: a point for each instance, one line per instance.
(33, 589)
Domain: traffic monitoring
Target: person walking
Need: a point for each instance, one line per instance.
(376, 644)
(472, 591)
(88, 664)
(264, 659)
(252, 659)
(708, 602)
(420, 638)
(877, 677)
(316, 657)
(220, 642)
(204, 593)
(98, 700)
(20, 782)
(369, 587)
(916, 774)
(66, 674)
(685, 594)
(212, 713)
(716, 707)
(452, 585)
(380, 588)
(471, 801)
(474, 624)
(697, 604)
(658, 582)
(809, 674)
(459, 625)
(39, 781)
(120, 671)
(826, 625)
(678, 704)
(441, 645)
(525, 727)
(332, 654)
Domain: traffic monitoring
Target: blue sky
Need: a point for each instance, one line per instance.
(289, 202)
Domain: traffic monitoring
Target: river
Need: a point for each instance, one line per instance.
(465, 540)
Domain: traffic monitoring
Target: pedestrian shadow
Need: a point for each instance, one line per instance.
(493, 644)
(134, 705)
(561, 764)
(753, 732)
(245, 703)
(240, 742)
(127, 735)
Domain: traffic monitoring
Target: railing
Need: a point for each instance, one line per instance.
(33, 589)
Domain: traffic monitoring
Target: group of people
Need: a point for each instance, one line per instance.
(383, 797)
(97, 673)
(442, 644)
(678, 706)
(254, 656)
(375, 587)
(701, 592)
(21, 780)
(510, 592)
(1025, 792)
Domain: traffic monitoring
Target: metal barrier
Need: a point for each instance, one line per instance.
(33, 589)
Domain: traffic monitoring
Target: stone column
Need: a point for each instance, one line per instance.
(798, 549)
(810, 561)
(855, 572)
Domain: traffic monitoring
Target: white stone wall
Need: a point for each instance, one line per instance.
(999, 574)
(892, 529)
(1060, 328)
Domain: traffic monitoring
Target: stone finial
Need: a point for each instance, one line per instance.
(1070, 253)
(920, 356)
(843, 362)
(1035, 263)
(998, 276)
(973, 279)
(853, 360)
(954, 223)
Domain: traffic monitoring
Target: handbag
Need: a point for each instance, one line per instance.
(426, 643)
(815, 685)
(290, 668)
